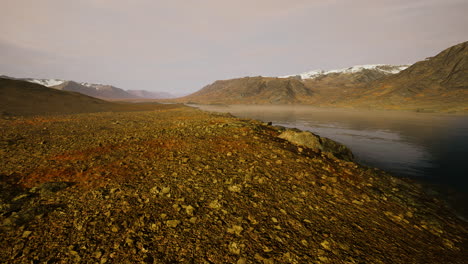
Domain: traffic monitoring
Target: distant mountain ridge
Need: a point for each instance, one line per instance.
(435, 83)
(45, 82)
(95, 90)
(251, 90)
(19, 97)
(438, 83)
(304, 88)
(382, 68)
(102, 91)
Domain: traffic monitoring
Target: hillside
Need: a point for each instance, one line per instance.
(94, 90)
(21, 98)
(252, 90)
(307, 88)
(25, 98)
(102, 91)
(438, 83)
(375, 70)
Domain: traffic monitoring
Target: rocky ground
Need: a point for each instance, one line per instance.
(180, 185)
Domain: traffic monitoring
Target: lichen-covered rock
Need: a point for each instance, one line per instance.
(317, 143)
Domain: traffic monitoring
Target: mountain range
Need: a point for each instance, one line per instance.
(378, 69)
(19, 97)
(438, 83)
(102, 91)
(23, 98)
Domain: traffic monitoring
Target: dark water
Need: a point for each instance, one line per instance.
(429, 147)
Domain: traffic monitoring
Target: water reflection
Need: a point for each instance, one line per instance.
(428, 146)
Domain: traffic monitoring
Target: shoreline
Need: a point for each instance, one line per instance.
(333, 109)
(441, 190)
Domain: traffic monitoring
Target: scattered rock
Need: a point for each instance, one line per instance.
(235, 188)
(234, 248)
(189, 209)
(235, 229)
(172, 223)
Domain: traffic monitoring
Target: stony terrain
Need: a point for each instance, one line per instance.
(178, 185)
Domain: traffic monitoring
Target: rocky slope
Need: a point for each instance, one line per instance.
(180, 185)
(446, 71)
(252, 90)
(432, 84)
(307, 88)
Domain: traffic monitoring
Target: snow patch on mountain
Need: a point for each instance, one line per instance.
(384, 68)
(93, 85)
(46, 82)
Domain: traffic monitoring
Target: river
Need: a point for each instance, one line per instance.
(432, 148)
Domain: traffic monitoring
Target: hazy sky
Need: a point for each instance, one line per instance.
(182, 45)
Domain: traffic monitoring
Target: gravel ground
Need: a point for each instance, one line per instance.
(178, 185)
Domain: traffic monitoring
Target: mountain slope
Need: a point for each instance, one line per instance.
(45, 82)
(102, 91)
(252, 90)
(94, 90)
(25, 98)
(437, 83)
(308, 88)
(376, 69)
(446, 70)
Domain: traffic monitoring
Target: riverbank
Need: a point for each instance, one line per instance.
(182, 185)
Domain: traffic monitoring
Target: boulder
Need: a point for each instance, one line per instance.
(317, 143)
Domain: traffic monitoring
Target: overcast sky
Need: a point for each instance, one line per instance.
(182, 45)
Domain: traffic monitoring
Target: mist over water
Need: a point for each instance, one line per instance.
(429, 147)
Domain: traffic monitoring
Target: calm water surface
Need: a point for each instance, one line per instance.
(429, 147)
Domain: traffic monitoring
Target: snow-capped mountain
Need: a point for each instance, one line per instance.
(46, 82)
(94, 89)
(382, 68)
(96, 86)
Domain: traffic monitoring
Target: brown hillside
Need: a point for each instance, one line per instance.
(252, 90)
(97, 90)
(336, 87)
(439, 83)
(446, 71)
(24, 98)
(267, 90)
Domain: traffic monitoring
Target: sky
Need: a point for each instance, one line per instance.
(179, 46)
